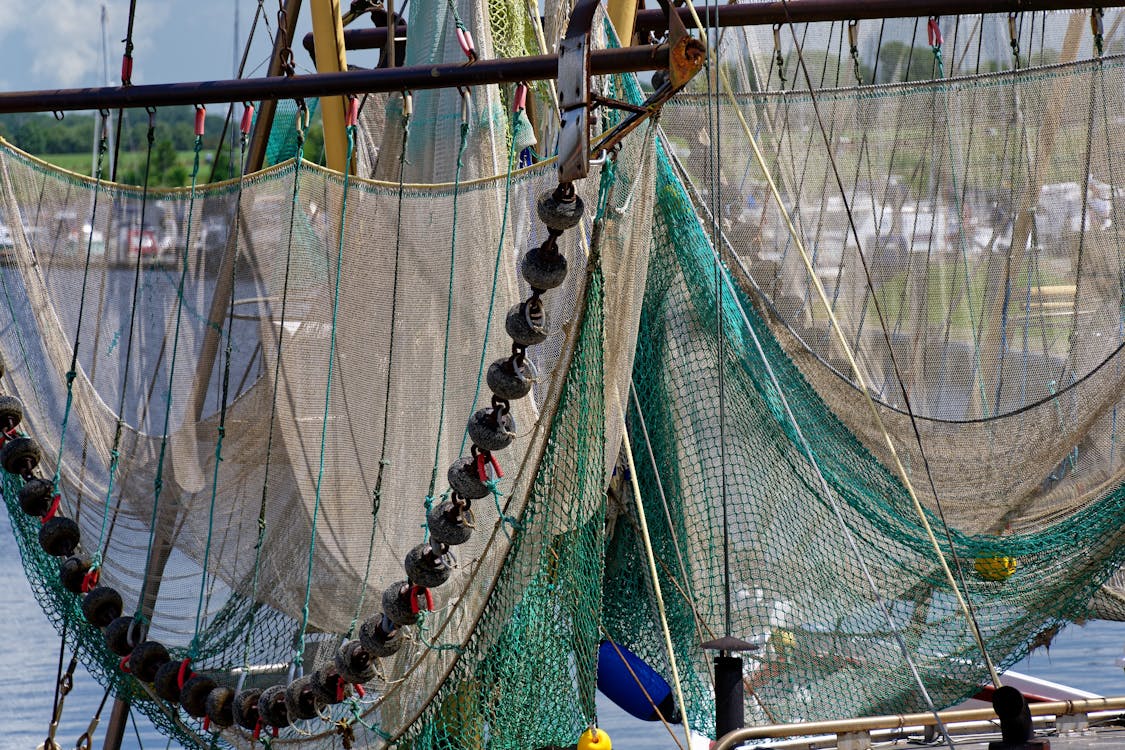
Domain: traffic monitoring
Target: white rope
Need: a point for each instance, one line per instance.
(834, 502)
(861, 380)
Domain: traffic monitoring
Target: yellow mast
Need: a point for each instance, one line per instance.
(328, 37)
(623, 14)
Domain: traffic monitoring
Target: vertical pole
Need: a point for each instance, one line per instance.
(729, 698)
(328, 38)
(115, 727)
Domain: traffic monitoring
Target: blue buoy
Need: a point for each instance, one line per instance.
(633, 685)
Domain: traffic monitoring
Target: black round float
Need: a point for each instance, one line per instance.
(35, 496)
(59, 536)
(272, 707)
(101, 606)
(220, 707)
(146, 659)
(20, 455)
(245, 708)
(193, 695)
(166, 683)
(301, 700)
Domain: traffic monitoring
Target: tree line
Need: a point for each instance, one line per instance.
(45, 135)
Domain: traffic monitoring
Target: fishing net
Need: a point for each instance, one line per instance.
(992, 243)
(427, 276)
(1009, 349)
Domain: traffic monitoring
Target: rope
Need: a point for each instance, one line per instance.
(193, 650)
(862, 381)
(377, 493)
(300, 653)
(158, 482)
(448, 314)
(297, 162)
(495, 276)
(651, 558)
(115, 450)
(126, 80)
(103, 147)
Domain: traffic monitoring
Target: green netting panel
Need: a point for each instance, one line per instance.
(282, 144)
(527, 679)
(797, 591)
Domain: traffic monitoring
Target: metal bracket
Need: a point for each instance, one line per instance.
(574, 93)
(685, 59)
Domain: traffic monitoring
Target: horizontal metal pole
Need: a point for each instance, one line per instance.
(797, 11)
(808, 11)
(359, 38)
(413, 78)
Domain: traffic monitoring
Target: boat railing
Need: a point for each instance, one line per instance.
(1069, 714)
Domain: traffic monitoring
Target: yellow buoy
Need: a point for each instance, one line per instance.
(995, 568)
(594, 739)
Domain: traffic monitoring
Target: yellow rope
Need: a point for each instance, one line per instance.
(860, 379)
(655, 578)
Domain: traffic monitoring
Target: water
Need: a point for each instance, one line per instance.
(1083, 657)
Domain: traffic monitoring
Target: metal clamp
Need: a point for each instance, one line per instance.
(574, 93)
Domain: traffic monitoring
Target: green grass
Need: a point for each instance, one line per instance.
(131, 162)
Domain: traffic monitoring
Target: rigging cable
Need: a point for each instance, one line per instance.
(126, 80)
(300, 124)
(230, 108)
(299, 655)
(244, 139)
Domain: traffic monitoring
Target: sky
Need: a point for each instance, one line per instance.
(57, 44)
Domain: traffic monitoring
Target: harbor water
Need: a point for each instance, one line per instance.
(1083, 657)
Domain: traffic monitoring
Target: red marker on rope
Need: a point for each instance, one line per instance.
(53, 509)
(519, 101)
(417, 591)
(353, 112)
(933, 32)
(465, 39)
(483, 467)
(184, 674)
(126, 70)
(200, 118)
(90, 580)
(247, 118)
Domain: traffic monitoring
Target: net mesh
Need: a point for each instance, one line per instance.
(410, 262)
(1010, 357)
(993, 247)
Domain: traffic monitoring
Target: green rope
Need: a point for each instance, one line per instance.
(193, 650)
(448, 318)
(103, 148)
(115, 450)
(495, 279)
(273, 398)
(456, 16)
(377, 494)
(158, 482)
(298, 658)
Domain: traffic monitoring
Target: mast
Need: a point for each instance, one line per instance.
(328, 33)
